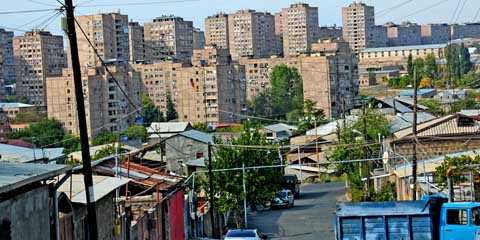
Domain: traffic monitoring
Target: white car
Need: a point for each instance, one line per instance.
(283, 198)
(244, 234)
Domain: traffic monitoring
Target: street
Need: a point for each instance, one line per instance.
(311, 218)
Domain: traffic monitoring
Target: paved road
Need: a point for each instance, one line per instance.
(311, 218)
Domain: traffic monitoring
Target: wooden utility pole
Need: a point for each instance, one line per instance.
(211, 190)
(316, 147)
(365, 137)
(414, 132)
(82, 123)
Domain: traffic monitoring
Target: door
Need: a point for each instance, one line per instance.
(457, 225)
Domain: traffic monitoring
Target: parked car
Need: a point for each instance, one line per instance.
(244, 234)
(283, 198)
(291, 182)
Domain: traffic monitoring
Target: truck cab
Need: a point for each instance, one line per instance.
(460, 220)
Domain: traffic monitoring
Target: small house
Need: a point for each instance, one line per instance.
(278, 132)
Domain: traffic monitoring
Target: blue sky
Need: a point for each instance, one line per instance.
(329, 10)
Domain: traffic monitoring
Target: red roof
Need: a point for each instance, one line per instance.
(17, 142)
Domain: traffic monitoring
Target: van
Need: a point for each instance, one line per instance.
(291, 182)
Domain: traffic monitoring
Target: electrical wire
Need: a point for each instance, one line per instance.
(27, 11)
(41, 3)
(135, 3)
(421, 10)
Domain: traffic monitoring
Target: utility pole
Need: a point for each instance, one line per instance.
(82, 123)
(210, 178)
(414, 131)
(316, 147)
(244, 196)
(365, 137)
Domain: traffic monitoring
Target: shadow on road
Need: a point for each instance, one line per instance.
(311, 195)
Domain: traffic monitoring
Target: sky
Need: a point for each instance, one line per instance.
(434, 11)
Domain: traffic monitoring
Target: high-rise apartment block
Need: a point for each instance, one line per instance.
(108, 32)
(300, 28)
(6, 49)
(105, 105)
(467, 30)
(37, 55)
(210, 90)
(169, 37)
(198, 39)
(216, 31)
(435, 33)
(251, 34)
(405, 34)
(332, 32)
(358, 26)
(279, 33)
(329, 75)
(136, 42)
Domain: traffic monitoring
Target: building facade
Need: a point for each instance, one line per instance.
(6, 56)
(37, 55)
(106, 107)
(300, 28)
(279, 33)
(358, 26)
(108, 32)
(332, 32)
(329, 75)
(435, 33)
(251, 34)
(136, 42)
(169, 37)
(198, 39)
(466, 30)
(405, 34)
(216, 31)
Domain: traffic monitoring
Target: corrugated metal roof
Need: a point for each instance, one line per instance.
(410, 92)
(332, 126)
(197, 135)
(168, 127)
(16, 175)
(405, 48)
(15, 105)
(10, 153)
(421, 127)
(398, 105)
(406, 120)
(280, 127)
(382, 208)
(199, 162)
(102, 186)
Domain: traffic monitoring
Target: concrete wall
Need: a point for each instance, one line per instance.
(105, 218)
(180, 150)
(29, 214)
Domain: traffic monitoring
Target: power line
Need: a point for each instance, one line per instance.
(41, 3)
(455, 11)
(461, 10)
(28, 11)
(135, 3)
(385, 11)
(421, 10)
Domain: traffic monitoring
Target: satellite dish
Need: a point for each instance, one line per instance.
(379, 105)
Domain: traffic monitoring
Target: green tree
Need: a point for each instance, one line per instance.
(150, 112)
(458, 163)
(136, 132)
(410, 65)
(261, 105)
(105, 137)
(105, 152)
(46, 133)
(202, 127)
(171, 111)
(309, 113)
(286, 92)
(430, 67)
(418, 69)
(261, 184)
(71, 144)
(434, 106)
(30, 117)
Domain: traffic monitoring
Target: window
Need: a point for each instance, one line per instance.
(199, 155)
(457, 217)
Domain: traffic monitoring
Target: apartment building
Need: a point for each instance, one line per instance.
(37, 55)
(358, 26)
(251, 34)
(136, 42)
(300, 28)
(329, 75)
(2, 80)
(329, 32)
(107, 108)
(169, 37)
(435, 33)
(6, 49)
(198, 39)
(208, 90)
(279, 33)
(466, 30)
(381, 58)
(216, 31)
(108, 32)
(405, 34)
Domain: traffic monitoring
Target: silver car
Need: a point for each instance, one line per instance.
(283, 198)
(244, 234)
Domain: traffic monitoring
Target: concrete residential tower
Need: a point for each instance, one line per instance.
(358, 25)
(216, 31)
(300, 28)
(136, 42)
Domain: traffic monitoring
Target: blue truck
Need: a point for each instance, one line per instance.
(432, 218)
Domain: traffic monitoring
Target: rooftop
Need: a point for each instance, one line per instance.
(15, 105)
(410, 92)
(168, 127)
(10, 153)
(280, 127)
(405, 48)
(197, 135)
(16, 175)
(332, 126)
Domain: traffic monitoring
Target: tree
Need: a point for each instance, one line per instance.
(171, 111)
(458, 61)
(430, 67)
(261, 184)
(46, 133)
(434, 106)
(105, 137)
(426, 82)
(29, 117)
(136, 132)
(418, 69)
(286, 92)
(261, 105)
(202, 127)
(105, 152)
(71, 144)
(150, 112)
(410, 65)
(310, 112)
(458, 163)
